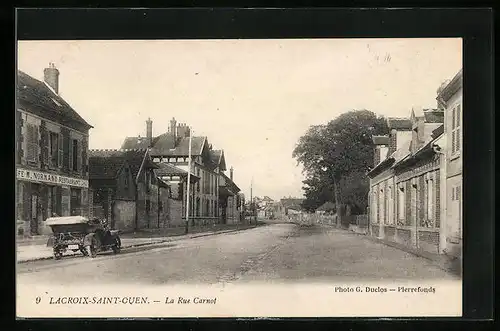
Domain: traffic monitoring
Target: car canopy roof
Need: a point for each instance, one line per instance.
(66, 220)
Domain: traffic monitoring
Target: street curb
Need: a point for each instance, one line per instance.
(447, 265)
(150, 243)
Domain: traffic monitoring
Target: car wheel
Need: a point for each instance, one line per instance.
(83, 251)
(57, 254)
(117, 246)
(92, 248)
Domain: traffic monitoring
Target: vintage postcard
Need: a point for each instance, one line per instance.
(239, 178)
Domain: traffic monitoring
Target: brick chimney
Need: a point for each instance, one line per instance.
(51, 77)
(149, 131)
(231, 173)
(173, 128)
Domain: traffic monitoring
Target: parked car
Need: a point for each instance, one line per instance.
(78, 233)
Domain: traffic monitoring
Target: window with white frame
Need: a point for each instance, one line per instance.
(455, 129)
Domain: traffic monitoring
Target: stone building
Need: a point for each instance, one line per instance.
(404, 194)
(450, 99)
(207, 164)
(177, 180)
(126, 190)
(51, 154)
(229, 200)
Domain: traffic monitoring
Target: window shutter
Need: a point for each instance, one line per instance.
(453, 141)
(45, 150)
(60, 146)
(457, 138)
(29, 139)
(457, 116)
(79, 155)
(453, 118)
(458, 192)
(70, 154)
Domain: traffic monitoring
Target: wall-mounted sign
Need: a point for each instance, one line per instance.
(44, 177)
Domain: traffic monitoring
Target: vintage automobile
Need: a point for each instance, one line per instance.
(78, 233)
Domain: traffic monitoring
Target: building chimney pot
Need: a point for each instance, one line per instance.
(231, 173)
(51, 77)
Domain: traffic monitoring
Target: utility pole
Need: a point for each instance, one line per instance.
(188, 182)
(251, 200)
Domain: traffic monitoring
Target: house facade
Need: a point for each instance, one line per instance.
(404, 194)
(229, 199)
(51, 154)
(207, 164)
(450, 98)
(126, 190)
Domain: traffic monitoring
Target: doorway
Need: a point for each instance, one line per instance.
(35, 208)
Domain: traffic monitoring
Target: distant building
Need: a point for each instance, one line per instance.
(126, 190)
(208, 164)
(51, 154)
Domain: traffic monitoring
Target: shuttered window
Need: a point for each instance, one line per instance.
(79, 166)
(32, 143)
(456, 129)
(60, 150)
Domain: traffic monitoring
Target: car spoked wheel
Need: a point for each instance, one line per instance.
(92, 248)
(83, 251)
(57, 254)
(117, 246)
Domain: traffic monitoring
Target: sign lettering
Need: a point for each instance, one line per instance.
(44, 177)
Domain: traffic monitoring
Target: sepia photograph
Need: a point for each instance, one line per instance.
(239, 177)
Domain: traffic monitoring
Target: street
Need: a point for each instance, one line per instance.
(271, 253)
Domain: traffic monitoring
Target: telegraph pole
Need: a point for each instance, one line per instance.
(251, 200)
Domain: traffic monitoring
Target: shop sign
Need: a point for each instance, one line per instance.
(44, 177)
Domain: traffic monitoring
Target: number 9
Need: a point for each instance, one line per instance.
(37, 300)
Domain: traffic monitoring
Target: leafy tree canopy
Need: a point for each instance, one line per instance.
(342, 152)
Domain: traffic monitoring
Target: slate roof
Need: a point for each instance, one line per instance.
(104, 164)
(399, 123)
(38, 93)
(380, 140)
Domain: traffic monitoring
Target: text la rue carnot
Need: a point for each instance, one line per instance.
(195, 300)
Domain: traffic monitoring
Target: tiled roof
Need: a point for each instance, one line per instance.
(399, 123)
(164, 145)
(229, 183)
(437, 132)
(104, 167)
(169, 169)
(134, 159)
(215, 155)
(35, 92)
(380, 140)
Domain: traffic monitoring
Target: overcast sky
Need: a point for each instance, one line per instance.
(252, 98)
